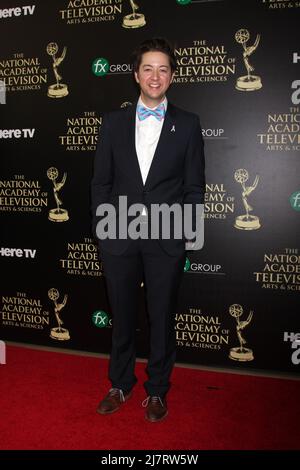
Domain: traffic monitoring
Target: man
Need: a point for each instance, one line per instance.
(152, 153)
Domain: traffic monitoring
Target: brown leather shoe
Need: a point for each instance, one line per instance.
(112, 402)
(156, 409)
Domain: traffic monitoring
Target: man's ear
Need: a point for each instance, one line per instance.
(136, 77)
(172, 77)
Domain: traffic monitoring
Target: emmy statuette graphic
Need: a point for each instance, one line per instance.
(59, 90)
(247, 82)
(125, 104)
(59, 333)
(58, 214)
(241, 353)
(246, 221)
(135, 20)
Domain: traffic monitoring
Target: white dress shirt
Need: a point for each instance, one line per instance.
(147, 133)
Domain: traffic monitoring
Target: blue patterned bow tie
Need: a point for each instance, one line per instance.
(158, 112)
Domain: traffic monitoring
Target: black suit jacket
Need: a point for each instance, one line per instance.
(176, 174)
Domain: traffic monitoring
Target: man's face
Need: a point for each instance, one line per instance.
(154, 77)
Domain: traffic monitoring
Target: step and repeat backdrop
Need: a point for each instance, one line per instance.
(63, 64)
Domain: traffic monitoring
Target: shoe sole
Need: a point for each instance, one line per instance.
(156, 420)
(116, 409)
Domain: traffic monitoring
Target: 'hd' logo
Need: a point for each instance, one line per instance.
(17, 11)
(296, 83)
(2, 352)
(2, 92)
(294, 338)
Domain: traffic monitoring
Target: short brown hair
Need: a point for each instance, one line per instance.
(154, 44)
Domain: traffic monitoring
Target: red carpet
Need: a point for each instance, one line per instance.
(48, 401)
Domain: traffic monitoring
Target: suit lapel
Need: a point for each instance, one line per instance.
(131, 154)
(164, 142)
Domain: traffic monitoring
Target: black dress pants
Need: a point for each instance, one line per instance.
(144, 260)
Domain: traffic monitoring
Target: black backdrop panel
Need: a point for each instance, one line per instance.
(238, 68)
